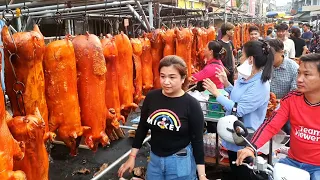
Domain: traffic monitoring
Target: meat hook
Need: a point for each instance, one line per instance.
(18, 87)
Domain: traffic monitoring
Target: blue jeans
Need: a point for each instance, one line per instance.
(313, 170)
(172, 167)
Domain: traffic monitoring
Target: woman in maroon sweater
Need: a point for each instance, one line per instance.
(213, 53)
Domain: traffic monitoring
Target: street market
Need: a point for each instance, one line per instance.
(159, 89)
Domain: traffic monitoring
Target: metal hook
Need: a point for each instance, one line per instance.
(57, 17)
(14, 43)
(12, 67)
(22, 109)
(7, 11)
(25, 8)
(58, 20)
(18, 87)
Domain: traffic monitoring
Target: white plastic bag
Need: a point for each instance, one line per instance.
(200, 97)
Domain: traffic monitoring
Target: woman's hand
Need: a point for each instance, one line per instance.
(243, 153)
(129, 164)
(192, 80)
(211, 87)
(222, 76)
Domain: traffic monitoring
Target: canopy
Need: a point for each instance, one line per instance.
(275, 14)
(288, 17)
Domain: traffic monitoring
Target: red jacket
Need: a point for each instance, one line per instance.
(305, 128)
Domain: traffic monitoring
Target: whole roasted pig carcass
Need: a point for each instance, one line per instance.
(10, 149)
(62, 93)
(24, 72)
(112, 98)
(125, 73)
(31, 129)
(91, 68)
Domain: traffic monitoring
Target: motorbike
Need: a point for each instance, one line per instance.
(279, 171)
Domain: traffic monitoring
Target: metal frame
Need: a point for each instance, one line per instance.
(118, 161)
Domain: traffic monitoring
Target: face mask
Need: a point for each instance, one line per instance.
(244, 69)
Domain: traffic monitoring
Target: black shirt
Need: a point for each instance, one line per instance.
(228, 59)
(299, 44)
(174, 123)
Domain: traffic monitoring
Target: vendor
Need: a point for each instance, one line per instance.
(213, 53)
(176, 122)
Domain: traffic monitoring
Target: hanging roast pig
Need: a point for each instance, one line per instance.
(112, 98)
(28, 48)
(31, 129)
(62, 93)
(91, 68)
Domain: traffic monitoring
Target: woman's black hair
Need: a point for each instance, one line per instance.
(263, 56)
(276, 44)
(269, 31)
(296, 32)
(217, 49)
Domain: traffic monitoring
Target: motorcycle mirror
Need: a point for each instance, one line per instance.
(240, 129)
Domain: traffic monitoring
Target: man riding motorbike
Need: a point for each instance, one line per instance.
(302, 107)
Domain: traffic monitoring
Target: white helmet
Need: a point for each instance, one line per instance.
(225, 129)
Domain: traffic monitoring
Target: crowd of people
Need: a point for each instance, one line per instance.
(176, 120)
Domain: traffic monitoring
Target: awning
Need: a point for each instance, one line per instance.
(314, 13)
(273, 14)
(296, 16)
(305, 16)
(288, 17)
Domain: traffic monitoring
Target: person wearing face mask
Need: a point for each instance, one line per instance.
(213, 53)
(289, 47)
(176, 122)
(254, 33)
(249, 97)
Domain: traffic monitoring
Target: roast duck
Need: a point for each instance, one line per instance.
(10, 149)
(112, 98)
(62, 92)
(91, 69)
(137, 52)
(157, 47)
(184, 38)
(29, 48)
(146, 64)
(31, 129)
(125, 73)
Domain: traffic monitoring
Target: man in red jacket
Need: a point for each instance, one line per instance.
(302, 107)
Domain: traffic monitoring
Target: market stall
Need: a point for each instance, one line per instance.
(86, 67)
